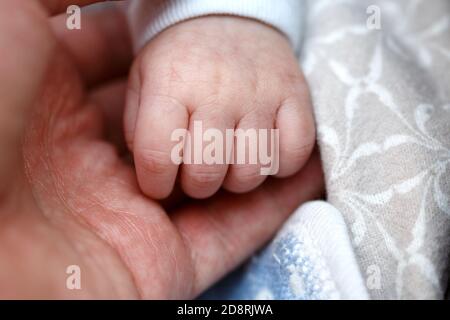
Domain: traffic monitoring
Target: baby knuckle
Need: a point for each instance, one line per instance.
(153, 161)
(204, 176)
(247, 174)
(299, 152)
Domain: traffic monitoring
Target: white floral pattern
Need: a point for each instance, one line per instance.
(382, 102)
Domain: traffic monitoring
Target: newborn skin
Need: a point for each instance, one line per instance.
(229, 73)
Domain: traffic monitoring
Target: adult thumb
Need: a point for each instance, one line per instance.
(26, 47)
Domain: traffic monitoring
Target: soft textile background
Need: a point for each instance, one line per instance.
(382, 103)
(311, 258)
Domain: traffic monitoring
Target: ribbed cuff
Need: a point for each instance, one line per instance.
(147, 18)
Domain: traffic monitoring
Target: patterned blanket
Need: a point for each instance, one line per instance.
(379, 72)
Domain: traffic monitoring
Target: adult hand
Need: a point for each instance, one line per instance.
(67, 197)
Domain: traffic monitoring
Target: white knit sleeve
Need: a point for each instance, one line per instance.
(147, 18)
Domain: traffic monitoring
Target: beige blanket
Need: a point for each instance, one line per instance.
(380, 78)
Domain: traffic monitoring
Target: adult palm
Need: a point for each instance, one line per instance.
(68, 196)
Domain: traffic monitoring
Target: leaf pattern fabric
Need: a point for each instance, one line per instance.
(382, 106)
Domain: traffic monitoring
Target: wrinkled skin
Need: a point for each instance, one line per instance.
(69, 197)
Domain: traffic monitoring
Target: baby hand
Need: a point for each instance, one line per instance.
(225, 73)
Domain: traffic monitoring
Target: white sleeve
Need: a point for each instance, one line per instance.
(147, 18)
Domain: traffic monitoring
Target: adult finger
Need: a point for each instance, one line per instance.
(26, 47)
(101, 49)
